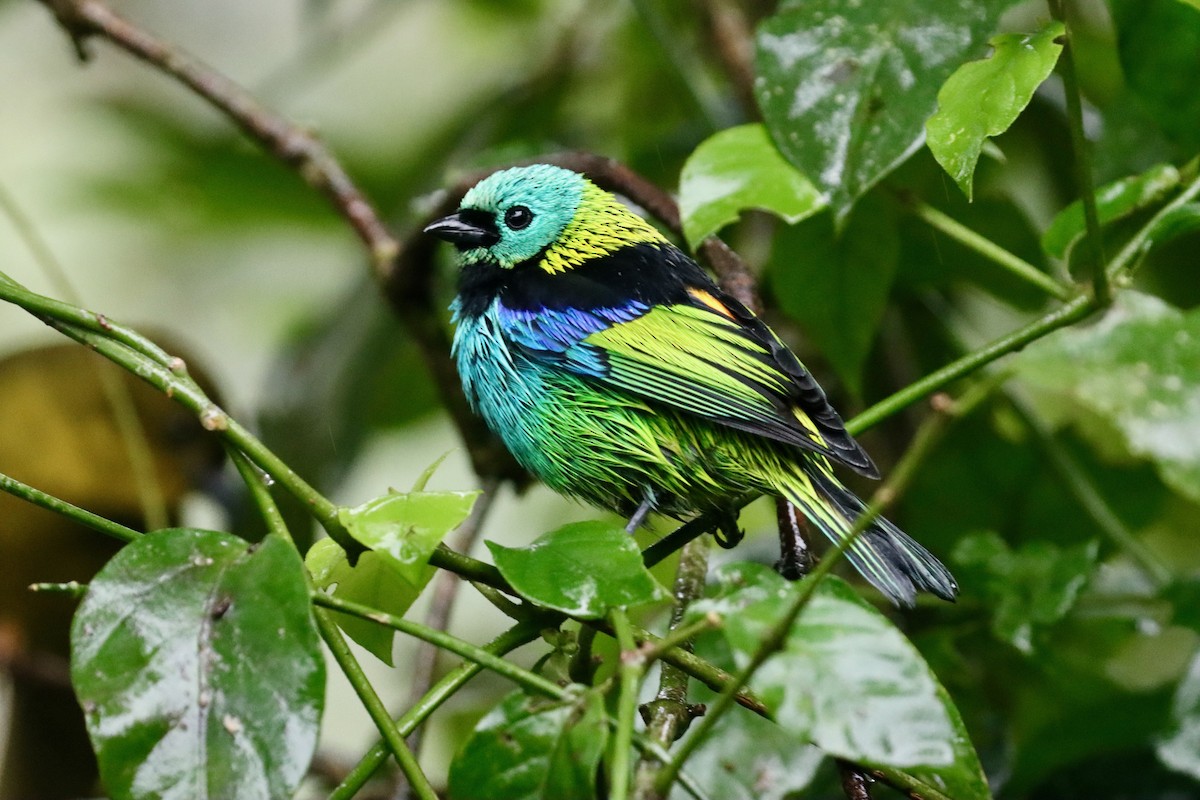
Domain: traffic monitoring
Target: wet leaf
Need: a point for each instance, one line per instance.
(1028, 589)
(531, 748)
(747, 757)
(1114, 201)
(402, 531)
(848, 680)
(199, 666)
(1139, 368)
(584, 569)
(983, 98)
(845, 88)
(1180, 749)
(737, 169)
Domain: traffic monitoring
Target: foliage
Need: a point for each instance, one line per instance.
(820, 139)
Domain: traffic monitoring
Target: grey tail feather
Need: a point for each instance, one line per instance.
(886, 556)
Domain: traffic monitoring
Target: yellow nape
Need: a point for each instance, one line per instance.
(601, 226)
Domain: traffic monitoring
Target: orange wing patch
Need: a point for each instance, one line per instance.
(710, 301)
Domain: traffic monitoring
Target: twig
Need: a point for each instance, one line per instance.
(445, 590)
(1068, 314)
(515, 637)
(1101, 288)
(856, 783)
(84, 517)
(629, 670)
(669, 714)
(334, 639)
(733, 43)
(985, 247)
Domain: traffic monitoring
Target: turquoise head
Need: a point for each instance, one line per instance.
(513, 215)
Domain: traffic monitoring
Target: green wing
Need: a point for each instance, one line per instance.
(715, 359)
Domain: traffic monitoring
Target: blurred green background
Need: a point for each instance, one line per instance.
(1064, 660)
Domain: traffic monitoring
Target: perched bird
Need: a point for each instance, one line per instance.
(616, 371)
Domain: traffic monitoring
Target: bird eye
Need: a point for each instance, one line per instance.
(518, 217)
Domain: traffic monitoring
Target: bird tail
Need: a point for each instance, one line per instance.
(883, 554)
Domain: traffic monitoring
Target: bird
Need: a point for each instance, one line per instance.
(616, 371)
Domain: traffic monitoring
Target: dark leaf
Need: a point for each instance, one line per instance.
(845, 88)
(837, 287)
(531, 748)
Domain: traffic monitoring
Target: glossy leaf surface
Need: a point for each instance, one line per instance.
(848, 679)
(402, 531)
(737, 169)
(532, 748)
(584, 569)
(845, 88)
(1139, 368)
(983, 98)
(198, 664)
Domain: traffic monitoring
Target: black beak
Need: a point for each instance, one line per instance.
(466, 229)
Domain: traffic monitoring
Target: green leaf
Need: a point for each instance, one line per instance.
(1176, 222)
(197, 662)
(837, 287)
(845, 88)
(1028, 589)
(584, 569)
(533, 749)
(983, 98)
(1139, 368)
(737, 169)
(1114, 201)
(1180, 749)
(849, 680)
(402, 531)
(747, 757)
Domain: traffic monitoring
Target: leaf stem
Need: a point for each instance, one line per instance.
(632, 662)
(1101, 288)
(987, 248)
(519, 675)
(1078, 308)
(370, 699)
(1121, 268)
(514, 637)
(96, 522)
(149, 362)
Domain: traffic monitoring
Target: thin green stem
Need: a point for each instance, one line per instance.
(149, 362)
(680, 636)
(1068, 314)
(1101, 288)
(370, 699)
(519, 675)
(73, 589)
(631, 666)
(82, 516)
(1121, 268)
(336, 642)
(454, 680)
(987, 248)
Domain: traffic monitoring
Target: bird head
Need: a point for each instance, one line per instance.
(542, 214)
